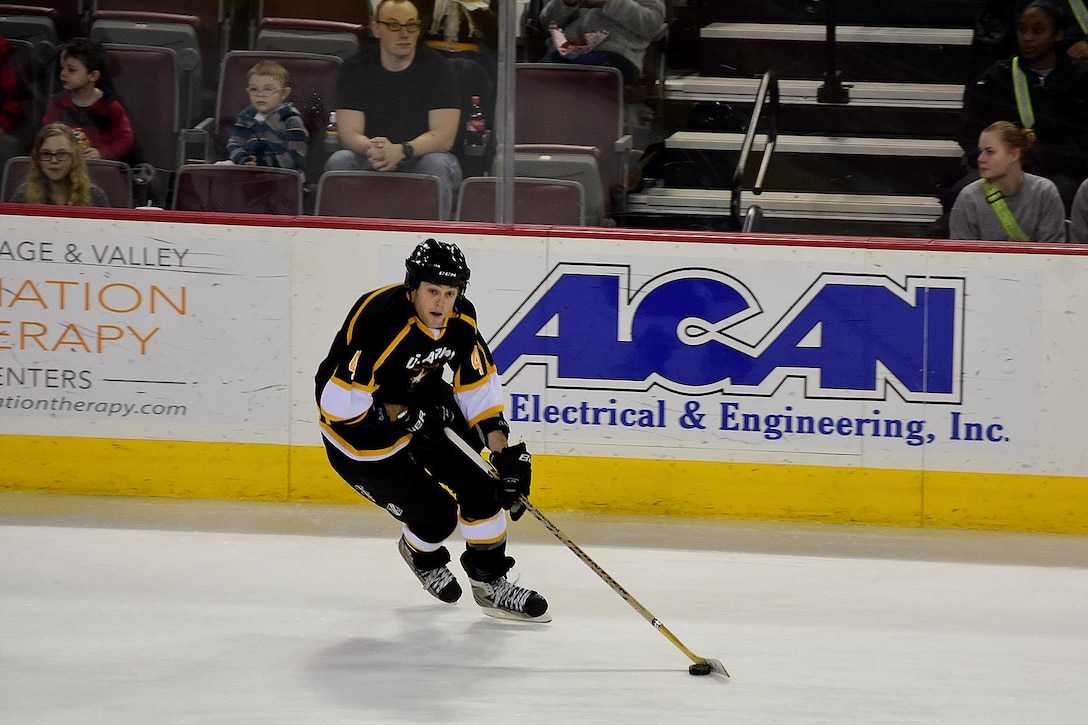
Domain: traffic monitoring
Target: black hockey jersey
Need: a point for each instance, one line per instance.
(384, 353)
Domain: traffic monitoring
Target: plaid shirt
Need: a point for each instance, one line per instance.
(280, 139)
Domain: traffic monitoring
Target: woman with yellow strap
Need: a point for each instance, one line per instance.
(1006, 204)
(1040, 88)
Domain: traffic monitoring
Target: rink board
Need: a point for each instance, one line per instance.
(875, 381)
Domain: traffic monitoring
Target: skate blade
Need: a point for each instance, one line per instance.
(514, 616)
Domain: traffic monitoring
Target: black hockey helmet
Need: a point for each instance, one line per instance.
(438, 263)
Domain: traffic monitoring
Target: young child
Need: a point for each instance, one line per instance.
(269, 131)
(87, 105)
(58, 173)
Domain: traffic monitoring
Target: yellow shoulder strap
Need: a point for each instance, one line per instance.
(1080, 13)
(1023, 94)
(1004, 214)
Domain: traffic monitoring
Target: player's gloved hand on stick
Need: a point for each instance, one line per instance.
(515, 469)
(417, 419)
(413, 420)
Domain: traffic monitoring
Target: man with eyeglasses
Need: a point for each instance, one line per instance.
(398, 105)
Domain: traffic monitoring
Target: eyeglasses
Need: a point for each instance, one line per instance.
(54, 155)
(255, 91)
(396, 27)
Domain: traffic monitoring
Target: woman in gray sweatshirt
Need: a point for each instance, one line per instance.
(602, 32)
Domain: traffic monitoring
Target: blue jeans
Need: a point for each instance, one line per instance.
(441, 164)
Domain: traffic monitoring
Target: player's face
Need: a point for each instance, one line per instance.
(995, 157)
(433, 302)
(400, 43)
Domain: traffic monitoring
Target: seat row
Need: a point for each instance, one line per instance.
(226, 188)
(199, 31)
(569, 120)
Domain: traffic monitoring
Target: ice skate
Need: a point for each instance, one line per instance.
(439, 582)
(505, 600)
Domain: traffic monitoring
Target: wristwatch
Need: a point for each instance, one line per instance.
(409, 152)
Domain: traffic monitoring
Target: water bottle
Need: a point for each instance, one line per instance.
(475, 129)
(332, 134)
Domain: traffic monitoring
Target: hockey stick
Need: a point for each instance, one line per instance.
(702, 666)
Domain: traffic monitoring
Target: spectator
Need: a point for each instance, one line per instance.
(460, 24)
(1078, 218)
(270, 131)
(1006, 204)
(88, 105)
(13, 97)
(611, 33)
(1053, 103)
(995, 32)
(58, 172)
(397, 105)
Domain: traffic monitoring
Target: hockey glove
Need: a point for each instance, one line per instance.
(417, 420)
(514, 466)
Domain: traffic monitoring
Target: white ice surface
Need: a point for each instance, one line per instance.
(154, 611)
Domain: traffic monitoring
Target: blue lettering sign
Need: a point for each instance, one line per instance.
(847, 336)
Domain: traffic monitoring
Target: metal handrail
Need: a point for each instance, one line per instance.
(767, 91)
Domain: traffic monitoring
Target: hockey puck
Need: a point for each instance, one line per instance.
(699, 669)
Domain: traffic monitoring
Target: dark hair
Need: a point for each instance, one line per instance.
(87, 51)
(1051, 9)
(93, 55)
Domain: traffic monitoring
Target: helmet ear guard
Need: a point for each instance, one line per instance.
(438, 263)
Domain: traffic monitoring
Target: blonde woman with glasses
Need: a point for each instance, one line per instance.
(58, 174)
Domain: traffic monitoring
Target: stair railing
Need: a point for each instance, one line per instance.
(766, 98)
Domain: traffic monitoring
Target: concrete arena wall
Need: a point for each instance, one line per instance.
(884, 382)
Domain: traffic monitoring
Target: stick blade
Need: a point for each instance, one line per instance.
(717, 666)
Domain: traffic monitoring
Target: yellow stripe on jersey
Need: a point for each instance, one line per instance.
(488, 370)
(340, 402)
(362, 307)
(491, 413)
(362, 454)
(482, 401)
(388, 351)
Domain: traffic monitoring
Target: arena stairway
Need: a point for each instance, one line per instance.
(872, 166)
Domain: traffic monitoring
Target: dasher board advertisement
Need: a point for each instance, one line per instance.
(112, 328)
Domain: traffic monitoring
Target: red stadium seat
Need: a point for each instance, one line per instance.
(376, 194)
(238, 189)
(571, 106)
(113, 177)
(536, 201)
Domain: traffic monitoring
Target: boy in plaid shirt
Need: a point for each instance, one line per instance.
(269, 131)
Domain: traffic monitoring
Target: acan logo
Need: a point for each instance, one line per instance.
(847, 336)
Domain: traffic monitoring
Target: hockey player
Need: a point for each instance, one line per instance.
(383, 403)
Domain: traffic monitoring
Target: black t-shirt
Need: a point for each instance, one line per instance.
(397, 104)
